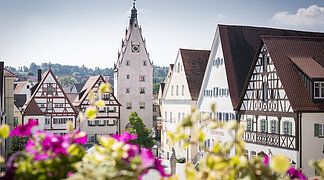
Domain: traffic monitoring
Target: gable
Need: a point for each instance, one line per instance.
(49, 97)
(265, 91)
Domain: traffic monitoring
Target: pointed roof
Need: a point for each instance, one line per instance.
(32, 108)
(38, 85)
(92, 81)
(194, 64)
(239, 44)
(8, 73)
(309, 55)
(20, 100)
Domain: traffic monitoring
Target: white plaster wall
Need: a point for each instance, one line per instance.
(312, 147)
(215, 77)
(291, 154)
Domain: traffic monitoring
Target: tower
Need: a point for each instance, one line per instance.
(133, 75)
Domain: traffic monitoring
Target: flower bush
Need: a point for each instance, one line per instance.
(50, 156)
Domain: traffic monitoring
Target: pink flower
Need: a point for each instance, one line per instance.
(24, 130)
(81, 138)
(266, 160)
(147, 158)
(150, 162)
(41, 156)
(294, 173)
(125, 137)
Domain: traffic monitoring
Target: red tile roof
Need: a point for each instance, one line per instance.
(309, 51)
(33, 109)
(194, 64)
(309, 66)
(8, 73)
(239, 44)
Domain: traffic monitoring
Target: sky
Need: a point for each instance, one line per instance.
(84, 32)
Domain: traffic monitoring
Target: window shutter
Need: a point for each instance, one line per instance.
(283, 127)
(277, 127)
(290, 128)
(260, 126)
(266, 125)
(251, 125)
(89, 124)
(316, 130)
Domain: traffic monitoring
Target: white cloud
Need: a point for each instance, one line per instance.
(311, 16)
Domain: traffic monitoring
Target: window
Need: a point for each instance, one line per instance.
(253, 154)
(172, 90)
(249, 124)
(127, 76)
(272, 94)
(220, 115)
(318, 90)
(27, 86)
(154, 108)
(170, 117)
(263, 125)
(166, 116)
(129, 105)
(177, 90)
(142, 90)
(179, 114)
(178, 67)
(142, 105)
(49, 89)
(182, 89)
(274, 126)
(246, 153)
(49, 106)
(319, 130)
(142, 78)
(127, 90)
(15, 121)
(287, 128)
(226, 117)
(106, 96)
(265, 92)
(265, 59)
(127, 63)
(144, 63)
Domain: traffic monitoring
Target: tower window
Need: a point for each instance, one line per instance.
(127, 76)
(142, 90)
(129, 105)
(144, 63)
(127, 63)
(142, 105)
(142, 78)
(127, 90)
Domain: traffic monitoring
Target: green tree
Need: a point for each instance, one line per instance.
(136, 126)
(17, 144)
(156, 87)
(67, 80)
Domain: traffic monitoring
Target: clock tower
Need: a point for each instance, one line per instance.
(133, 76)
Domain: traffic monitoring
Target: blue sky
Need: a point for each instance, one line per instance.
(83, 32)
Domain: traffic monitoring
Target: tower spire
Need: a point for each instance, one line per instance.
(133, 14)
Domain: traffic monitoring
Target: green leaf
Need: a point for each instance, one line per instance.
(4, 131)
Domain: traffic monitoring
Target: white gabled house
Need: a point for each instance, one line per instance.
(49, 106)
(107, 120)
(180, 94)
(283, 100)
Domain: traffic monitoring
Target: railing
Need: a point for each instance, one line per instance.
(270, 139)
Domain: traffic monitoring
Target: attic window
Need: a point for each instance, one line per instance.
(318, 90)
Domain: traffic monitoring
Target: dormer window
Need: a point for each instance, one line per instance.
(318, 90)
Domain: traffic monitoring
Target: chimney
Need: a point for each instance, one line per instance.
(39, 75)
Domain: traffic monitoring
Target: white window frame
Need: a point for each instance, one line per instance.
(320, 88)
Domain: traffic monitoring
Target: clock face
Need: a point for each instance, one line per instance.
(135, 48)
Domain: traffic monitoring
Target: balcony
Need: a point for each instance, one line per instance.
(271, 139)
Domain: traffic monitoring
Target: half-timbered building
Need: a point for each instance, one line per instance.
(282, 103)
(49, 106)
(107, 120)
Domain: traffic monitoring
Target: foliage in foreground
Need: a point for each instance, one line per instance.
(217, 165)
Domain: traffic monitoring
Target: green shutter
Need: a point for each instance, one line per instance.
(260, 125)
(88, 122)
(283, 127)
(251, 124)
(277, 127)
(316, 130)
(290, 128)
(266, 125)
